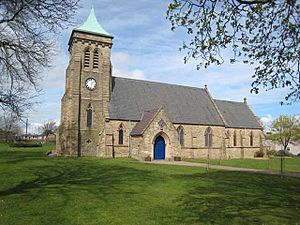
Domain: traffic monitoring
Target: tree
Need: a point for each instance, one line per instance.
(27, 31)
(263, 33)
(9, 125)
(48, 128)
(285, 129)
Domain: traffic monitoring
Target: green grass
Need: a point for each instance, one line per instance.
(290, 164)
(37, 190)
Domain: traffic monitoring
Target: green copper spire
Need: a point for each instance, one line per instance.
(92, 25)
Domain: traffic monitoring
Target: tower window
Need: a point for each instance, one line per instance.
(87, 55)
(208, 137)
(234, 138)
(121, 134)
(89, 119)
(96, 59)
(180, 132)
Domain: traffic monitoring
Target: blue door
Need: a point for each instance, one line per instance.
(159, 148)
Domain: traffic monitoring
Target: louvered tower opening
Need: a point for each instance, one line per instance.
(96, 59)
(87, 56)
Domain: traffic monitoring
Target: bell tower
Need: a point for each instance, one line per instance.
(84, 105)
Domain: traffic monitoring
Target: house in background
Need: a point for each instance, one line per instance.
(294, 147)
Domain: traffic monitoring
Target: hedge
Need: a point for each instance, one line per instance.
(25, 144)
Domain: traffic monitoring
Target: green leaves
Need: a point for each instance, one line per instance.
(265, 33)
(285, 129)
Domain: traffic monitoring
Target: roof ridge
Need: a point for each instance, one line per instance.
(253, 114)
(157, 82)
(221, 100)
(216, 107)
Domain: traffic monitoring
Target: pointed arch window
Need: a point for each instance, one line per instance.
(89, 116)
(180, 132)
(87, 55)
(96, 59)
(208, 137)
(234, 138)
(251, 138)
(121, 134)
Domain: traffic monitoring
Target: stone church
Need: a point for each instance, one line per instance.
(108, 116)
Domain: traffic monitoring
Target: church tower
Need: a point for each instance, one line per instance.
(84, 105)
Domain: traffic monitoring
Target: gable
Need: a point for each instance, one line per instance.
(146, 119)
(237, 114)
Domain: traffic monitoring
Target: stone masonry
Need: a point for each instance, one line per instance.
(111, 135)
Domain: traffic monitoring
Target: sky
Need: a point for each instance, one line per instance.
(144, 47)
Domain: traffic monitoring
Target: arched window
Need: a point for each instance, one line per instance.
(234, 138)
(180, 132)
(121, 134)
(89, 116)
(96, 59)
(87, 55)
(208, 137)
(251, 138)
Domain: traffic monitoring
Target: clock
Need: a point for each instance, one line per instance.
(90, 84)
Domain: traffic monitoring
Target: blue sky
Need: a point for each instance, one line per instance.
(146, 48)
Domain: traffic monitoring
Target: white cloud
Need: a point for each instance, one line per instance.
(145, 48)
(34, 128)
(134, 74)
(124, 66)
(54, 77)
(267, 119)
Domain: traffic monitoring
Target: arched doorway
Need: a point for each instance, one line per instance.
(159, 148)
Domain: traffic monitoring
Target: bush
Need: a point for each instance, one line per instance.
(283, 153)
(271, 152)
(147, 158)
(259, 154)
(177, 158)
(25, 144)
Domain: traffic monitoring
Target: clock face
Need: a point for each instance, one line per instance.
(90, 84)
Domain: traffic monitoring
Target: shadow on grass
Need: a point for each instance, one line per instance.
(41, 190)
(96, 180)
(15, 155)
(239, 198)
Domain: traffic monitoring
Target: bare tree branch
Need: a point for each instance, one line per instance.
(27, 44)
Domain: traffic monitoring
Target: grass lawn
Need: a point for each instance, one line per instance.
(38, 190)
(290, 164)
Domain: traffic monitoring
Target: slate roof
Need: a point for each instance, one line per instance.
(142, 125)
(237, 114)
(184, 105)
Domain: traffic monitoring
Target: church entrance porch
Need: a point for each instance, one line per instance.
(159, 148)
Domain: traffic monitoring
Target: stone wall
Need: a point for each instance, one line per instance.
(168, 132)
(74, 136)
(194, 140)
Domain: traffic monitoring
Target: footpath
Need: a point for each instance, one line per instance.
(219, 167)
